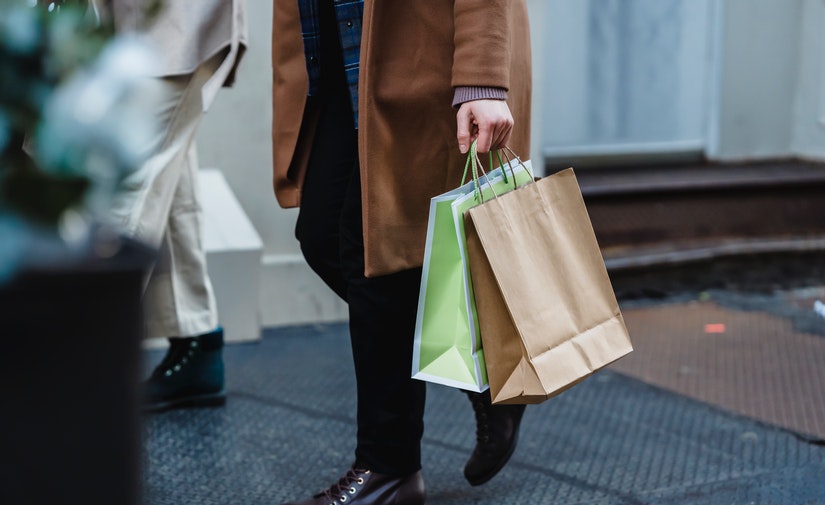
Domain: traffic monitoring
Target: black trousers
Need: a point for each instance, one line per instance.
(382, 310)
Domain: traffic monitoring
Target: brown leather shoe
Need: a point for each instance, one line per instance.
(496, 437)
(363, 487)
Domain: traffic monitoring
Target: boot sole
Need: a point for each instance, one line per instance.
(492, 473)
(196, 401)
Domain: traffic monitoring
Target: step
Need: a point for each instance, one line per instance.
(652, 207)
(683, 220)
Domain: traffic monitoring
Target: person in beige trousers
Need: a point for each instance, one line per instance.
(199, 44)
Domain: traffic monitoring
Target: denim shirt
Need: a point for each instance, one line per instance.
(349, 14)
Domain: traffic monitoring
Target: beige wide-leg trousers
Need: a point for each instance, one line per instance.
(159, 204)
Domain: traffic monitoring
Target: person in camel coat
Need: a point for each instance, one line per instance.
(375, 104)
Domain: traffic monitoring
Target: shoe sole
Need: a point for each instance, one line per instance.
(492, 473)
(197, 401)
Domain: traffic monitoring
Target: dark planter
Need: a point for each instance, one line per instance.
(69, 377)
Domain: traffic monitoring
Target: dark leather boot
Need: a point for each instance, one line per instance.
(496, 437)
(190, 375)
(363, 487)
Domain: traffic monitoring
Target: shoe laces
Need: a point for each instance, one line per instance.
(480, 408)
(180, 353)
(341, 491)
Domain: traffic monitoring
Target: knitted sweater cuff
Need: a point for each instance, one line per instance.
(470, 93)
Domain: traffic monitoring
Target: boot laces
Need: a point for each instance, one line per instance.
(482, 418)
(341, 491)
(179, 354)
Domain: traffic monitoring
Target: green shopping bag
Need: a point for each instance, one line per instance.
(447, 347)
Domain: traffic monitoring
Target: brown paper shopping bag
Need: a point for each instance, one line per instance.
(547, 311)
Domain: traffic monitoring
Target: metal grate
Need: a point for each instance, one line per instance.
(289, 426)
(767, 362)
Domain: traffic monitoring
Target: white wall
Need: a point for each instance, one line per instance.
(772, 81)
(735, 79)
(540, 37)
(760, 72)
(809, 109)
(625, 76)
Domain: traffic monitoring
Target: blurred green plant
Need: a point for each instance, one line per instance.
(41, 44)
(75, 119)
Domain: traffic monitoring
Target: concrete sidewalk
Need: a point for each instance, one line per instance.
(288, 430)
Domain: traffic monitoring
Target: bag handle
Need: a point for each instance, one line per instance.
(501, 164)
(475, 162)
(507, 153)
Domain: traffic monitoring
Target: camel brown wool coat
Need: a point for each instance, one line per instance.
(413, 54)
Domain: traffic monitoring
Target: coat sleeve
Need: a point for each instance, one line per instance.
(482, 43)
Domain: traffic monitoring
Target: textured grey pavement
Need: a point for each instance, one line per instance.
(288, 430)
